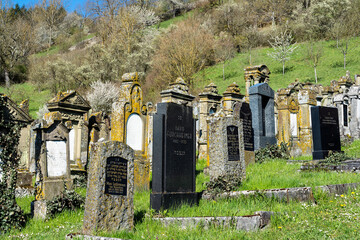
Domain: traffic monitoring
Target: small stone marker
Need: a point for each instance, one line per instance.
(263, 117)
(173, 156)
(110, 189)
(226, 146)
(326, 134)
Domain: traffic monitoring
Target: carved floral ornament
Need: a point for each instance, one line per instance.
(135, 103)
(293, 104)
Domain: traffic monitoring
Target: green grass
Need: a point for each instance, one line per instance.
(19, 92)
(331, 217)
(167, 23)
(352, 150)
(330, 67)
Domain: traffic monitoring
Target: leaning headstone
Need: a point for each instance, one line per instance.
(109, 202)
(326, 134)
(261, 98)
(226, 146)
(173, 178)
(243, 110)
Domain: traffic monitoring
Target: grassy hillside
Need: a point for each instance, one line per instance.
(19, 92)
(330, 67)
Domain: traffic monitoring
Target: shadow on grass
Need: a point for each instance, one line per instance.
(139, 216)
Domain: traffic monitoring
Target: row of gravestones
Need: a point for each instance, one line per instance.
(109, 202)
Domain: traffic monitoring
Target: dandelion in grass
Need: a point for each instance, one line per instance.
(279, 227)
(342, 195)
(353, 193)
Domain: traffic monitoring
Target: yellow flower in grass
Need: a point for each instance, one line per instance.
(352, 192)
(279, 227)
(342, 195)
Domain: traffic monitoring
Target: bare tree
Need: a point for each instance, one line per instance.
(16, 42)
(52, 13)
(282, 47)
(224, 51)
(314, 54)
(344, 47)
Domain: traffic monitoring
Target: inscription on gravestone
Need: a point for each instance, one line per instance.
(116, 176)
(233, 143)
(248, 132)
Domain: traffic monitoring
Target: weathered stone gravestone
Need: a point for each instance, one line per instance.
(243, 109)
(226, 146)
(326, 134)
(73, 108)
(261, 98)
(174, 163)
(53, 163)
(20, 114)
(109, 202)
(129, 124)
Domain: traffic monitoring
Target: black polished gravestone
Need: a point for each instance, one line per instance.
(173, 176)
(325, 130)
(248, 131)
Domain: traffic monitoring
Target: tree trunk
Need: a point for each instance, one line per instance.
(250, 62)
(224, 71)
(283, 68)
(7, 79)
(344, 60)
(315, 74)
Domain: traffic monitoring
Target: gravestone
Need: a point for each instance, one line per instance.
(73, 109)
(243, 109)
(226, 146)
(109, 202)
(173, 179)
(326, 134)
(52, 162)
(261, 98)
(130, 125)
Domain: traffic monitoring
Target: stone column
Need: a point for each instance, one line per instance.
(230, 97)
(209, 104)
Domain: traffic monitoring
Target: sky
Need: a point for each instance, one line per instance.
(70, 5)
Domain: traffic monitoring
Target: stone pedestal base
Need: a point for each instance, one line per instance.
(141, 174)
(24, 179)
(318, 155)
(39, 209)
(161, 201)
(249, 157)
(262, 141)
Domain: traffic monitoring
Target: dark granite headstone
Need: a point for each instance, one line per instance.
(248, 131)
(173, 180)
(325, 130)
(233, 143)
(261, 98)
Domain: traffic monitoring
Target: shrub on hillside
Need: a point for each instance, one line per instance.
(102, 95)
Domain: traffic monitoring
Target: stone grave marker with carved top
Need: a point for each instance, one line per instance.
(53, 163)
